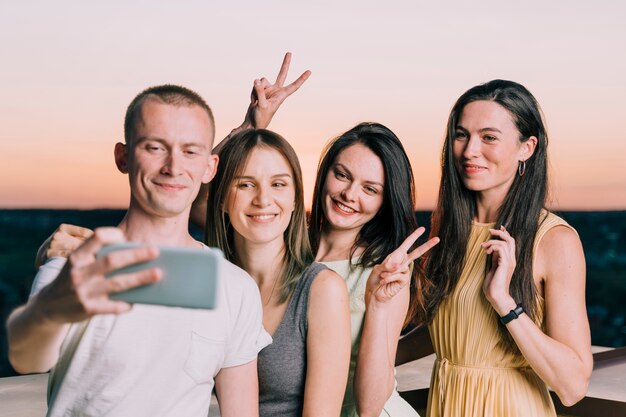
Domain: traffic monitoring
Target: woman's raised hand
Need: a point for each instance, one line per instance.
(266, 98)
(394, 273)
(501, 247)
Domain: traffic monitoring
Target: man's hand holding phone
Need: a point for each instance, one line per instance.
(82, 288)
(189, 276)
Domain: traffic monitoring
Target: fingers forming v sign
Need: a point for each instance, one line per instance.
(391, 276)
(266, 98)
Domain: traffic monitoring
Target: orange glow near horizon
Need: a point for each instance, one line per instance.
(88, 179)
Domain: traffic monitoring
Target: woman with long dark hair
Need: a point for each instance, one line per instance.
(363, 208)
(506, 308)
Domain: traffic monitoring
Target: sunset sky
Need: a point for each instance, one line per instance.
(68, 69)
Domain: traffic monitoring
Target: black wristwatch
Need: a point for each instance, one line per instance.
(513, 314)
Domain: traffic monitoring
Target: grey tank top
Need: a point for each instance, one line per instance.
(282, 365)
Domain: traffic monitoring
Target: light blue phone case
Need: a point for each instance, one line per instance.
(190, 277)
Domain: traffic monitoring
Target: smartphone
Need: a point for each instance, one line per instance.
(190, 277)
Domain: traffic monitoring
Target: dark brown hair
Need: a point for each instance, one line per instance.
(396, 218)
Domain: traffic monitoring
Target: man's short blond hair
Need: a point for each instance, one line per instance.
(168, 94)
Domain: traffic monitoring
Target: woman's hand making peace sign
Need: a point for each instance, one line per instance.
(394, 273)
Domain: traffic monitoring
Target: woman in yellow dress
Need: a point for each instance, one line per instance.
(506, 309)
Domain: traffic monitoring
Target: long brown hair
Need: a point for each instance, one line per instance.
(520, 212)
(219, 231)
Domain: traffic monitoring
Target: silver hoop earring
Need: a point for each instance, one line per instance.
(521, 168)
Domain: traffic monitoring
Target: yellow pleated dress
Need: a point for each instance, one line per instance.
(474, 374)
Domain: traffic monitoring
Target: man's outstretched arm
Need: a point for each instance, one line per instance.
(36, 330)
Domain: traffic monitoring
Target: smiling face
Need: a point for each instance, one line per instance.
(353, 189)
(487, 148)
(261, 198)
(168, 158)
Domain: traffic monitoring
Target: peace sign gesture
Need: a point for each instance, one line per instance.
(266, 98)
(393, 274)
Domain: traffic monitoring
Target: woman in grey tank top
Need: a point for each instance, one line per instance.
(256, 216)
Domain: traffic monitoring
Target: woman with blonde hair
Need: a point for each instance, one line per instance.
(255, 215)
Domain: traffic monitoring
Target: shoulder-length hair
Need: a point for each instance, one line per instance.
(396, 218)
(519, 213)
(219, 231)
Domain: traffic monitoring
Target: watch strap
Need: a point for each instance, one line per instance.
(513, 314)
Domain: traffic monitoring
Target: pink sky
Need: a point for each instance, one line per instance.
(70, 68)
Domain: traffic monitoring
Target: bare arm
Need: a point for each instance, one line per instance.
(328, 346)
(237, 389)
(562, 357)
(36, 330)
(28, 326)
(265, 100)
(374, 376)
(386, 300)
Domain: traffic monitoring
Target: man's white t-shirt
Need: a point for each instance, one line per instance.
(153, 360)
